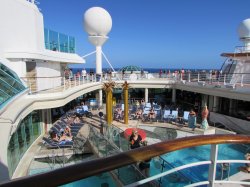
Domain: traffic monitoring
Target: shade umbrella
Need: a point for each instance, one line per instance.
(128, 132)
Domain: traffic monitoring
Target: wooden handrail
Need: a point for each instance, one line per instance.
(83, 170)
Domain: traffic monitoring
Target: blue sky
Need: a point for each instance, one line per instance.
(155, 33)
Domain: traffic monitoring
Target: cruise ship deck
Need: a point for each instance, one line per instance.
(61, 127)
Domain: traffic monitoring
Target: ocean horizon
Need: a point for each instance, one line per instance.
(149, 70)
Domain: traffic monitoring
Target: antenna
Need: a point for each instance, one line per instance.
(97, 23)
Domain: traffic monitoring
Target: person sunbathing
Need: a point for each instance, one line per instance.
(60, 139)
(118, 115)
(151, 114)
(67, 132)
(138, 114)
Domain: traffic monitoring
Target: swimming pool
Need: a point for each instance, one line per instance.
(102, 180)
(197, 173)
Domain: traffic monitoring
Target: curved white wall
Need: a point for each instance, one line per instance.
(21, 27)
(48, 69)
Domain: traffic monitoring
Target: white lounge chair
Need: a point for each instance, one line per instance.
(166, 115)
(174, 115)
(185, 117)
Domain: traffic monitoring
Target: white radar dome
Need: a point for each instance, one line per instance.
(97, 21)
(244, 29)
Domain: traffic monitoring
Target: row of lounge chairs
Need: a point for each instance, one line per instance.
(164, 115)
(57, 128)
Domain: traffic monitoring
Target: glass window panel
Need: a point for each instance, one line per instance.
(71, 45)
(10, 84)
(63, 43)
(46, 38)
(59, 42)
(53, 41)
(21, 140)
(27, 130)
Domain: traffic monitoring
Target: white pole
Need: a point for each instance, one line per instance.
(100, 97)
(98, 60)
(242, 78)
(212, 166)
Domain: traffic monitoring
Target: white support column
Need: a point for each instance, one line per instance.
(210, 103)
(231, 106)
(146, 95)
(100, 98)
(204, 100)
(173, 95)
(99, 60)
(212, 166)
(47, 121)
(215, 104)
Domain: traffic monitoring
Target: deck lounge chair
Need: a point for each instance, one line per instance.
(50, 144)
(166, 115)
(185, 117)
(174, 115)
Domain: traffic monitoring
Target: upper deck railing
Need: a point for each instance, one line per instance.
(97, 166)
(216, 79)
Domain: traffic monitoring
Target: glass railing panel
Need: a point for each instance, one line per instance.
(116, 136)
(72, 45)
(53, 41)
(46, 38)
(56, 41)
(130, 174)
(64, 44)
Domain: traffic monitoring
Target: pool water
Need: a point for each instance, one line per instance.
(197, 173)
(102, 180)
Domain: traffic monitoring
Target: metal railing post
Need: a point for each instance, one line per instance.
(212, 166)
(224, 79)
(198, 77)
(189, 76)
(241, 82)
(30, 90)
(64, 83)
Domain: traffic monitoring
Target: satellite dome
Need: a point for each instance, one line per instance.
(244, 29)
(97, 21)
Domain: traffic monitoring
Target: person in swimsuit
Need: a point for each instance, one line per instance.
(135, 140)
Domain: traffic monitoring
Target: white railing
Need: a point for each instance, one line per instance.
(211, 172)
(59, 84)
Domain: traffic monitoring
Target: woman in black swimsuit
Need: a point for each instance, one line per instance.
(135, 140)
